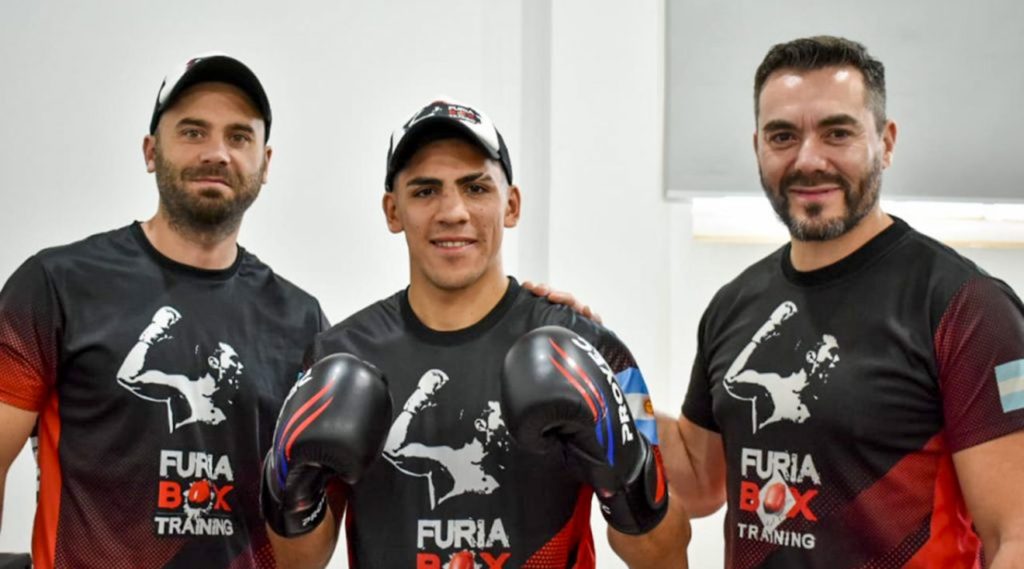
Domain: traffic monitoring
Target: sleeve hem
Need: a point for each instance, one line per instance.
(24, 403)
(700, 421)
(983, 434)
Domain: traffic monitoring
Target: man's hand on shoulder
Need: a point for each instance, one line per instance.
(562, 297)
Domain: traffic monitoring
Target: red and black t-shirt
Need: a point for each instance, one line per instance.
(451, 484)
(841, 395)
(157, 387)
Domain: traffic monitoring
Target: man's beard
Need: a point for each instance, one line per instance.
(815, 227)
(208, 212)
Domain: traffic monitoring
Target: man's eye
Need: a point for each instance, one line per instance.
(192, 133)
(423, 193)
(240, 138)
(476, 189)
(781, 137)
(840, 134)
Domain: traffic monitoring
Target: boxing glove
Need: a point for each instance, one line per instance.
(163, 319)
(557, 390)
(333, 423)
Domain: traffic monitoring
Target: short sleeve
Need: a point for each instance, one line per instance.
(627, 373)
(31, 326)
(324, 322)
(314, 351)
(979, 349)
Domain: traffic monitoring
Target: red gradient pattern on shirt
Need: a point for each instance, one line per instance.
(44, 532)
(880, 523)
(903, 498)
(921, 487)
(28, 370)
(28, 358)
(952, 541)
(574, 537)
(969, 343)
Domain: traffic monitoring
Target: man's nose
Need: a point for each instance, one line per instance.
(810, 156)
(215, 150)
(453, 207)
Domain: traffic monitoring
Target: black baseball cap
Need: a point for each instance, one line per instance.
(445, 119)
(215, 67)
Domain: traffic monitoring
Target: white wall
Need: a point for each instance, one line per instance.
(608, 225)
(717, 45)
(574, 85)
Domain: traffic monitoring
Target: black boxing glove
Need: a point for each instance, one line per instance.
(557, 389)
(333, 423)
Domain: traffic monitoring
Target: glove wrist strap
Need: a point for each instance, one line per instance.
(290, 520)
(641, 503)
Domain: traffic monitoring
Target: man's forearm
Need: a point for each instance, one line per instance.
(1008, 555)
(664, 547)
(702, 496)
(3, 479)
(310, 551)
(18, 425)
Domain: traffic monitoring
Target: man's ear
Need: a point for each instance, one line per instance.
(149, 152)
(888, 143)
(512, 207)
(266, 163)
(391, 213)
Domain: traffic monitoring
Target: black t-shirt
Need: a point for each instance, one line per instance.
(157, 387)
(450, 480)
(841, 394)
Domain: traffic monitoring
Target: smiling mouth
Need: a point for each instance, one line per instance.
(814, 193)
(814, 189)
(451, 244)
(220, 181)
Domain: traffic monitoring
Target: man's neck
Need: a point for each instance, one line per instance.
(203, 251)
(448, 310)
(813, 255)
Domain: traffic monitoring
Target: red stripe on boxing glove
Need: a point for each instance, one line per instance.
(333, 423)
(557, 390)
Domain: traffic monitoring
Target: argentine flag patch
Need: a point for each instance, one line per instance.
(634, 388)
(1010, 377)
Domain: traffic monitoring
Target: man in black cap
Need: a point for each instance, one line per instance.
(151, 360)
(471, 422)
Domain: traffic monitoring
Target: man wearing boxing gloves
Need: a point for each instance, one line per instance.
(509, 412)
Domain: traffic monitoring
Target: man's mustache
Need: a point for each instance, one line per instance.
(207, 171)
(815, 179)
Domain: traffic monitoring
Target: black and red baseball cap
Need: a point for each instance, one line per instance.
(211, 67)
(445, 118)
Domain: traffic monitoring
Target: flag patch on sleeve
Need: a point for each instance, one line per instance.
(634, 388)
(1010, 378)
